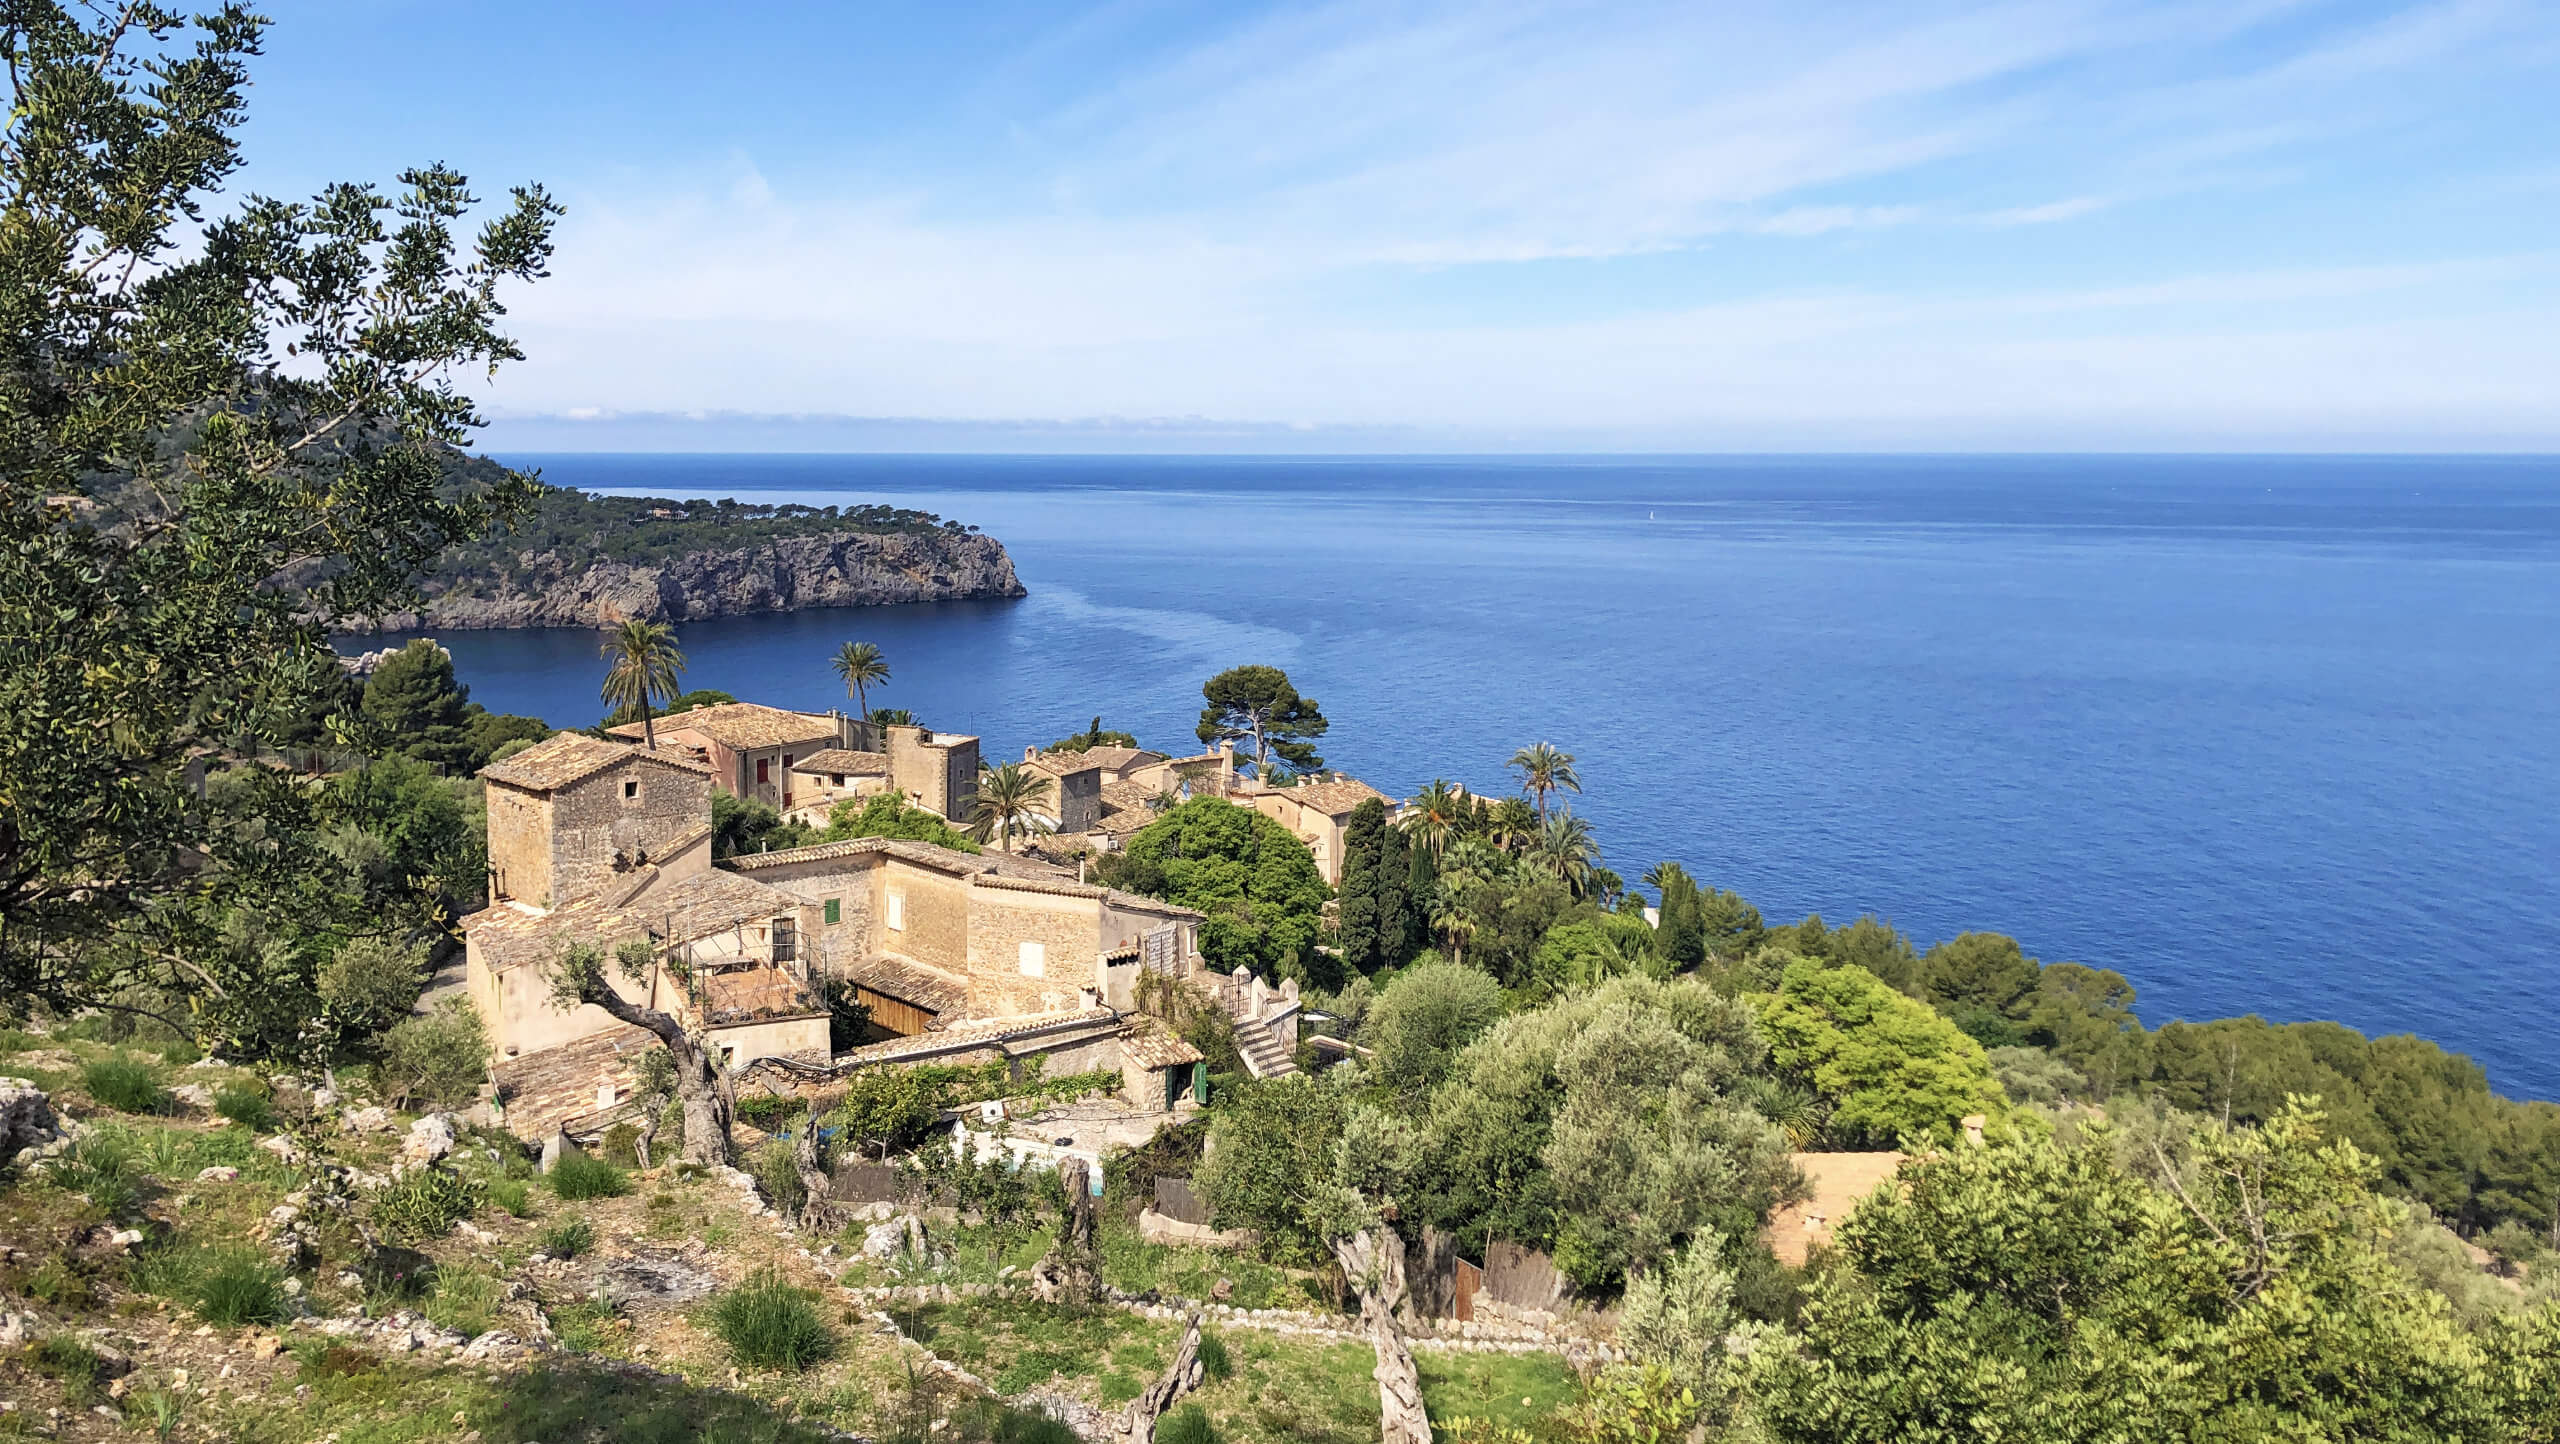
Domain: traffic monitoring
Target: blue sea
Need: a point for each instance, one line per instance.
(2270, 735)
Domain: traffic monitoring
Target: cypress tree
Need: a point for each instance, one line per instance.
(1399, 921)
(1357, 911)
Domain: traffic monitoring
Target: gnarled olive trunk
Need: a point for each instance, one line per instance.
(710, 1100)
(1137, 1423)
(1373, 1263)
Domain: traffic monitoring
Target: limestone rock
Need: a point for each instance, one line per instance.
(903, 1234)
(282, 1147)
(198, 1096)
(218, 1173)
(26, 1117)
(373, 1119)
(430, 1138)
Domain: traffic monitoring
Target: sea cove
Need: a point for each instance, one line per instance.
(2263, 734)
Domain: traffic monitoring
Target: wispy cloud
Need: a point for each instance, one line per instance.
(1620, 216)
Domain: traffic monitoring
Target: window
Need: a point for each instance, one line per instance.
(786, 940)
(835, 779)
(897, 912)
(835, 911)
(1035, 959)
(630, 790)
(764, 766)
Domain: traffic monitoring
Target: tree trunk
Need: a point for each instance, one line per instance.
(710, 1104)
(1138, 1422)
(1071, 1273)
(652, 1108)
(817, 1210)
(1373, 1262)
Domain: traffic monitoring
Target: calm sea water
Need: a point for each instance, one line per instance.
(2265, 735)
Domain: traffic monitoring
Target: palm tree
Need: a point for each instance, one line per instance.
(892, 717)
(1510, 825)
(1565, 848)
(1542, 770)
(645, 667)
(858, 665)
(1007, 804)
(1451, 920)
(1434, 815)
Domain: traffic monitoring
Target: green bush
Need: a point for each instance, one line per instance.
(239, 1286)
(568, 1238)
(60, 1356)
(1213, 1357)
(1186, 1424)
(437, 1059)
(515, 1195)
(247, 1104)
(466, 1303)
(577, 1176)
(104, 1166)
(768, 1324)
(779, 1176)
(620, 1145)
(124, 1084)
(424, 1203)
(769, 1111)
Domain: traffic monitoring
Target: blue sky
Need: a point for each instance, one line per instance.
(2242, 224)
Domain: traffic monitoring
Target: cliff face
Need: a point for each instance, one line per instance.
(841, 569)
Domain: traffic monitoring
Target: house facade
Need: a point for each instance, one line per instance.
(1315, 810)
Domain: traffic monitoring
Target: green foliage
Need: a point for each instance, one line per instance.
(371, 983)
(1269, 1139)
(410, 837)
(885, 814)
(515, 1195)
(1093, 736)
(576, 1177)
(465, 1300)
(436, 1060)
(750, 824)
(246, 1102)
(125, 1084)
(186, 518)
(565, 530)
(2032, 1292)
(414, 704)
(1609, 1128)
(644, 664)
(778, 1176)
(1428, 1013)
(79, 1368)
(103, 1166)
(769, 1324)
(882, 1110)
(1256, 706)
(1579, 954)
(1005, 806)
(424, 1203)
(1677, 1315)
(1186, 1424)
(1378, 927)
(238, 1285)
(1890, 1068)
(1257, 883)
(568, 1237)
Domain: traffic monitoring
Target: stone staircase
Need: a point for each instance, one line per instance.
(1266, 1023)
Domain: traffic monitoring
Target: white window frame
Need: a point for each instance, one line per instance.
(1033, 958)
(895, 913)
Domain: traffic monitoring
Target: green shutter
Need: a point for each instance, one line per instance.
(835, 910)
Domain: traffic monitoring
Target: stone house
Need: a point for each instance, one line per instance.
(571, 814)
(750, 749)
(832, 775)
(1315, 811)
(1834, 1184)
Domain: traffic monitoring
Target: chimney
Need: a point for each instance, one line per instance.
(1029, 752)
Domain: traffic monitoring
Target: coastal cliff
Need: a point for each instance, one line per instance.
(564, 588)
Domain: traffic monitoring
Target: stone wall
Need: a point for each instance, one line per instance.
(1067, 929)
(594, 826)
(519, 844)
(936, 916)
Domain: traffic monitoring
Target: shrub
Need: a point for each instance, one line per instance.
(568, 1238)
(779, 1176)
(124, 1084)
(60, 1356)
(58, 1284)
(424, 1203)
(371, 984)
(440, 1058)
(1213, 1357)
(102, 1165)
(246, 1104)
(620, 1145)
(769, 1111)
(577, 1176)
(466, 1303)
(768, 1324)
(515, 1195)
(239, 1286)
(1186, 1424)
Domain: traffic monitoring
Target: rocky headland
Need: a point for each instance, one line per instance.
(564, 588)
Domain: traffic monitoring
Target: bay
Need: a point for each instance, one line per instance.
(2265, 734)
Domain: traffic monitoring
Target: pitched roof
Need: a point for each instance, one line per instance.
(1148, 1044)
(942, 859)
(743, 724)
(1334, 798)
(712, 901)
(845, 760)
(976, 1033)
(564, 757)
(512, 935)
(1062, 888)
(895, 975)
(552, 1086)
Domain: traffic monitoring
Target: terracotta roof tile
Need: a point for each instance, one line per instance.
(846, 761)
(1335, 798)
(564, 757)
(977, 1033)
(712, 901)
(512, 936)
(746, 995)
(744, 724)
(1837, 1182)
(903, 978)
(1147, 1044)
